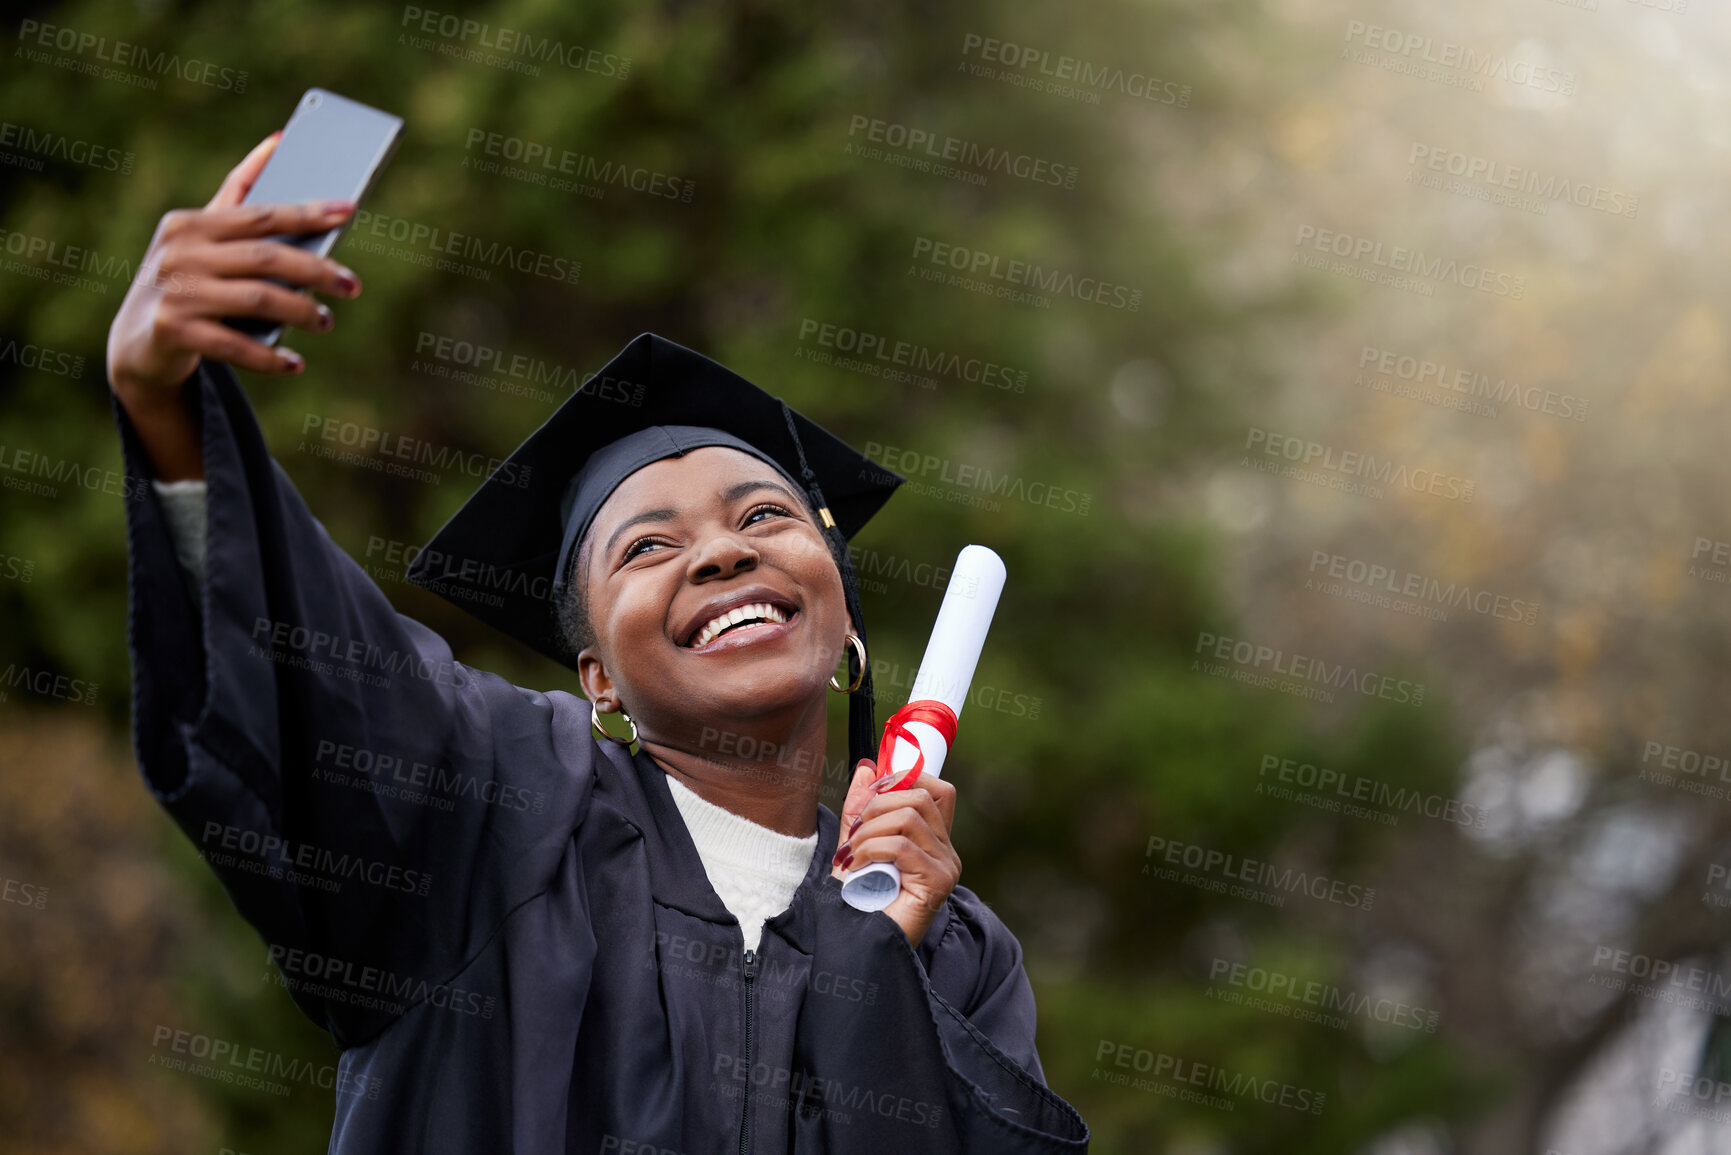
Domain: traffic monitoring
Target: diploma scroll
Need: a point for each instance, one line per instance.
(917, 737)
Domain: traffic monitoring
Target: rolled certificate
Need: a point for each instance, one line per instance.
(917, 738)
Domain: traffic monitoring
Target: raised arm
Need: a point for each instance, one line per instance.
(337, 767)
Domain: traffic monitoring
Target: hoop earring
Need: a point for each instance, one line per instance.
(858, 646)
(602, 732)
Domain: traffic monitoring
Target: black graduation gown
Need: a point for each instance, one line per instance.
(502, 921)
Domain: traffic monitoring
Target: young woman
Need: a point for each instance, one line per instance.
(525, 936)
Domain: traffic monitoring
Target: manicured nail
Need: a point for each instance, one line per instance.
(840, 852)
(846, 859)
(348, 282)
(293, 360)
(884, 783)
(855, 825)
(326, 320)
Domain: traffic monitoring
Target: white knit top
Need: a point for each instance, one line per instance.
(754, 869)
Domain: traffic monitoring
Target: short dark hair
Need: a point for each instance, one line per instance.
(576, 631)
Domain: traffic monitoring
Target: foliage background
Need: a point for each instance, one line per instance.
(1144, 411)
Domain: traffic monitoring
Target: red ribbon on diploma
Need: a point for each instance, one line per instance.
(928, 710)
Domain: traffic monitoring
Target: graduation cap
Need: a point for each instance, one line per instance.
(505, 555)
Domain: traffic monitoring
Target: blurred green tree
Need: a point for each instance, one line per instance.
(768, 183)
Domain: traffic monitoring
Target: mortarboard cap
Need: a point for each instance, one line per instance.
(500, 556)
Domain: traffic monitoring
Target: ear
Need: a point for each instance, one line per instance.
(593, 676)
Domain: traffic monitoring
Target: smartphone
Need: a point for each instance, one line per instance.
(332, 148)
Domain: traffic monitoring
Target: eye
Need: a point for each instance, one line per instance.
(639, 546)
(767, 507)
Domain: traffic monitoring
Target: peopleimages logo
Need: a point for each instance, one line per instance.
(132, 63)
(440, 245)
(1420, 375)
(477, 40)
(247, 1066)
(312, 866)
(1385, 586)
(1280, 990)
(1339, 792)
(80, 267)
(383, 443)
(1349, 470)
(1059, 73)
(918, 467)
(1017, 275)
(37, 143)
(878, 355)
(925, 145)
(1399, 259)
(1541, 186)
(547, 164)
(1413, 50)
(1170, 1073)
(1274, 881)
(1266, 665)
(31, 472)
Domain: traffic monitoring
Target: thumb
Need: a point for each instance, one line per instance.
(859, 792)
(241, 177)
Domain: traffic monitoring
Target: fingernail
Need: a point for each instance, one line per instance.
(348, 282)
(855, 825)
(846, 858)
(292, 359)
(326, 320)
(883, 783)
(336, 206)
(836, 858)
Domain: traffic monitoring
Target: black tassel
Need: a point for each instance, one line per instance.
(862, 737)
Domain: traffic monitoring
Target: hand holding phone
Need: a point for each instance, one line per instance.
(204, 266)
(332, 148)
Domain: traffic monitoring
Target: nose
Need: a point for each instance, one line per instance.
(722, 555)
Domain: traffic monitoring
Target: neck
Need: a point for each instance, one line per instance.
(769, 771)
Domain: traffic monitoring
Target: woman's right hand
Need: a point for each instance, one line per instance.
(206, 264)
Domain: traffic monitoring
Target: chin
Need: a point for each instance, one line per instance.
(756, 694)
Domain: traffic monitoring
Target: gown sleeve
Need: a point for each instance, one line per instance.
(329, 758)
(950, 1034)
(974, 964)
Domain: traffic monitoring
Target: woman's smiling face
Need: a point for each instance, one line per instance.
(711, 594)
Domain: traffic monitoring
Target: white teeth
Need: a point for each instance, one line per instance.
(760, 612)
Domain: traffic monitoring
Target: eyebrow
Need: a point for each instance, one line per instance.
(647, 515)
(728, 496)
(734, 493)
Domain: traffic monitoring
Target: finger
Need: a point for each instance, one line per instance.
(859, 791)
(892, 801)
(943, 793)
(240, 178)
(265, 258)
(264, 220)
(908, 822)
(916, 863)
(215, 340)
(248, 298)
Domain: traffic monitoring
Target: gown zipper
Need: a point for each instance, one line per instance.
(750, 999)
